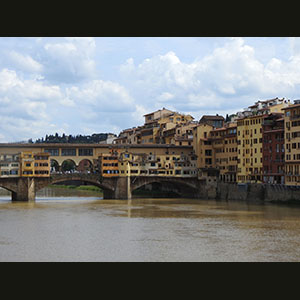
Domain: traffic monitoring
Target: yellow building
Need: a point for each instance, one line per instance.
(249, 140)
(202, 145)
(27, 164)
(292, 143)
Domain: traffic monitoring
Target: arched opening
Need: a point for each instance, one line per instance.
(74, 188)
(5, 192)
(164, 189)
(54, 166)
(157, 190)
(85, 166)
(68, 166)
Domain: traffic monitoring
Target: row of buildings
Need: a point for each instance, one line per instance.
(161, 127)
(259, 144)
(25, 164)
(161, 163)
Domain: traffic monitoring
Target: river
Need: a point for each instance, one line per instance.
(66, 225)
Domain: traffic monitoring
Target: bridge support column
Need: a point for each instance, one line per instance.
(123, 188)
(25, 190)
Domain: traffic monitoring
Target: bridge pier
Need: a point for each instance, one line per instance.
(25, 190)
(123, 188)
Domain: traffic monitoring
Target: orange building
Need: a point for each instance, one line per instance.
(41, 164)
(108, 164)
(35, 164)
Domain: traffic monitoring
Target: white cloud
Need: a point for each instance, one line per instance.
(25, 62)
(105, 95)
(70, 61)
(229, 76)
(165, 96)
(53, 83)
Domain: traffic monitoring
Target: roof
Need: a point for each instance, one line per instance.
(291, 106)
(252, 116)
(157, 111)
(210, 117)
(270, 100)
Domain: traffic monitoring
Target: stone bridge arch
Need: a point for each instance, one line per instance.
(188, 187)
(108, 186)
(9, 185)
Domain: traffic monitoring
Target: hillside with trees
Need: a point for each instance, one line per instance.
(78, 139)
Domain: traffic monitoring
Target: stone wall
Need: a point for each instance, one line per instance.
(257, 192)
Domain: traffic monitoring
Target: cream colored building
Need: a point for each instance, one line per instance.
(10, 165)
(202, 145)
(142, 164)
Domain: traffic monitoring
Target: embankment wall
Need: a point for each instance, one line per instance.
(257, 192)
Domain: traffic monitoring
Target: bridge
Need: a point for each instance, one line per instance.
(81, 153)
(25, 188)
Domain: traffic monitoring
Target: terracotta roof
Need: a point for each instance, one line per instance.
(210, 117)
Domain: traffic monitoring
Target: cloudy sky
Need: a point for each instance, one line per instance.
(92, 85)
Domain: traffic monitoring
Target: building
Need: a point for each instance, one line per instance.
(249, 140)
(34, 164)
(224, 147)
(110, 139)
(202, 146)
(10, 165)
(27, 164)
(215, 121)
(157, 164)
(273, 148)
(292, 143)
(41, 164)
(159, 128)
(108, 164)
(158, 114)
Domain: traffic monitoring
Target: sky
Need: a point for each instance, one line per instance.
(86, 85)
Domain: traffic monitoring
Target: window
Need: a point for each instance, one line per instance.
(68, 152)
(85, 152)
(52, 152)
